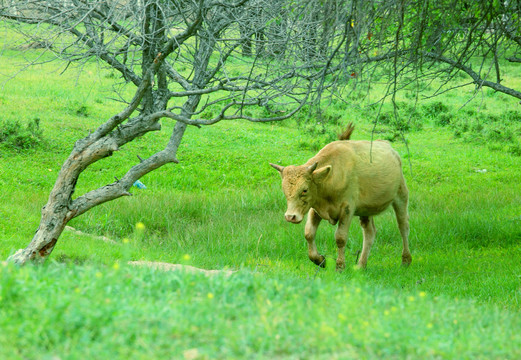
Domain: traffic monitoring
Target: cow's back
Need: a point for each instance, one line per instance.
(365, 174)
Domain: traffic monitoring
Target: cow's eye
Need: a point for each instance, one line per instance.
(304, 192)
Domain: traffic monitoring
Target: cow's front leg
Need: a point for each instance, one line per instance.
(369, 230)
(309, 233)
(341, 240)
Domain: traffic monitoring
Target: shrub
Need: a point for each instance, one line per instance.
(443, 119)
(385, 118)
(489, 118)
(82, 111)
(408, 120)
(477, 127)
(513, 116)
(398, 123)
(500, 134)
(434, 109)
(439, 113)
(499, 131)
(16, 136)
(460, 127)
(515, 150)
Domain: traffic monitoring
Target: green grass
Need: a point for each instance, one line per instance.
(222, 205)
(141, 313)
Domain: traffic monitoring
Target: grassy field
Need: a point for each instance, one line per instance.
(222, 208)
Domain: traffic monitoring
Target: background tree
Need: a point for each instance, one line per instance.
(182, 58)
(416, 42)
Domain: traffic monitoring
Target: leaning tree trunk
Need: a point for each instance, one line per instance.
(61, 207)
(109, 137)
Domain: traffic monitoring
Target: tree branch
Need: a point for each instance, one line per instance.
(480, 82)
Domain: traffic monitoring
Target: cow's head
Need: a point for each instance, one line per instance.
(299, 184)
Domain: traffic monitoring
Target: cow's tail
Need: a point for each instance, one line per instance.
(347, 132)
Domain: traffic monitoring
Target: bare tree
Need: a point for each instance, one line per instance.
(425, 40)
(182, 57)
(412, 44)
(448, 37)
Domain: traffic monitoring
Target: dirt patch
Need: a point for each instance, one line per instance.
(176, 267)
(78, 232)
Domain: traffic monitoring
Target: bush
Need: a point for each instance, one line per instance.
(13, 134)
(489, 118)
(434, 109)
(439, 113)
(500, 132)
(82, 111)
(512, 116)
(443, 119)
(460, 127)
(407, 120)
(515, 150)
(316, 135)
(396, 123)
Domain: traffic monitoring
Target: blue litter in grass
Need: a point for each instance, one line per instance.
(139, 184)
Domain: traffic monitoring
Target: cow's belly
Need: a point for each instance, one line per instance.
(333, 212)
(371, 210)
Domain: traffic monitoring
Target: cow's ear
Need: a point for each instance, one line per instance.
(321, 174)
(278, 167)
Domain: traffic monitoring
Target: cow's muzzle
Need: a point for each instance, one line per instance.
(293, 218)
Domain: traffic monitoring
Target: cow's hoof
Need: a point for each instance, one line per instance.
(321, 262)
(340, 267)
(406, 260)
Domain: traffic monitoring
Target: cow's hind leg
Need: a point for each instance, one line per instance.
(309, 233)
(402, 217)
(369, 230)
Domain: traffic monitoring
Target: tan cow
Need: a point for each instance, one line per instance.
(347, 178)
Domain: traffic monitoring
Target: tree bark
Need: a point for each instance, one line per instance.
(61, 208)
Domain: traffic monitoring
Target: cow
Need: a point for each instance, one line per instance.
(347, 178)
